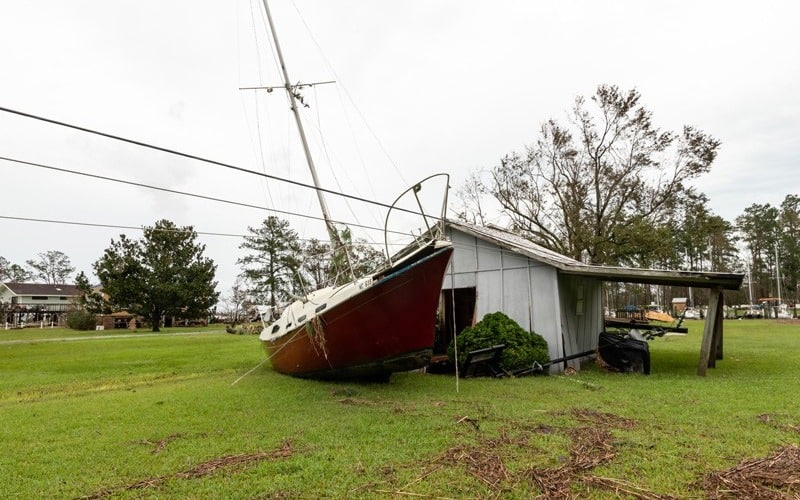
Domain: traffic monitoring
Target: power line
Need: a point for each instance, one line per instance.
(204, 160)
(184, 193)
(111, 226)
(142, 228)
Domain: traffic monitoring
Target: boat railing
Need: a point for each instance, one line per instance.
(432, 233)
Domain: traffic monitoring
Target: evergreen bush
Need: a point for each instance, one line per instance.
(522, 347)
(80, 319)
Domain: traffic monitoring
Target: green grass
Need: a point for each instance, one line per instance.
(35, 333)
(97, 415)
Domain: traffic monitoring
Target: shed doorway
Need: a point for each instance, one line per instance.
(462, 301)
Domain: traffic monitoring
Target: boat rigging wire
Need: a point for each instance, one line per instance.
(347, 93)
(205, 160)
(257, 114)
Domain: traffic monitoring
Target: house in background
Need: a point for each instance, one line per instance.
(555, 296)
(679, 305)
(35, 302)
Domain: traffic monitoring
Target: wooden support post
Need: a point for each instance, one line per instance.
(715, 317)
(718, 329)
(709, 333)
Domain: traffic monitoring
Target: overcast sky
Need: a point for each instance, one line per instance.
(422, 87)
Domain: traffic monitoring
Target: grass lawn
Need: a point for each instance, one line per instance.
(160, 416)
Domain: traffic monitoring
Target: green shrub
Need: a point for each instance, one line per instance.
(80, 319)
(522, 347)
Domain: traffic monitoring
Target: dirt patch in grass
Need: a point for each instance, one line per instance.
(776, 476)
(200, 470)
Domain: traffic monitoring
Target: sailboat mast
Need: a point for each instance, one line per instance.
(332, 234)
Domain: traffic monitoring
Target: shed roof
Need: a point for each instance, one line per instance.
(566, 265)
(43, 289)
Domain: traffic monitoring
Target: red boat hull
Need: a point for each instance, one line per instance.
(387, 327)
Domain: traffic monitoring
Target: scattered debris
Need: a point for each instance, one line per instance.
(587, 415)
(469, 420)
(620, 488)
(776, 476)
(199, 470)
(591, 446)
(773, 421)
(161, 444)
(483, 463)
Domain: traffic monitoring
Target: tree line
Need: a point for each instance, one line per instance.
(607, 186)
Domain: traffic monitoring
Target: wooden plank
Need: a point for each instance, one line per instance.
(708, 332)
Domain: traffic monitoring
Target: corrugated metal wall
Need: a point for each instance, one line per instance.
(522, 288)
(581, 314)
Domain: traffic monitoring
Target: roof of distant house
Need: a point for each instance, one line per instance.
(43, 289)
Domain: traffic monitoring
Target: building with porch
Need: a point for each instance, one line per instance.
(22, 303)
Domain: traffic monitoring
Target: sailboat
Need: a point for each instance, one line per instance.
(372, 326)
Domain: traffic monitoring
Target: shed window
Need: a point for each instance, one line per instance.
(39, 297)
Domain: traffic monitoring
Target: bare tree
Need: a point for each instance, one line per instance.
(52, 267)
(235, 304)
(472, 195)
(582, 187)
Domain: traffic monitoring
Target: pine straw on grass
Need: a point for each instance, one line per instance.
(592, 445)
(776, 476)
(200, 470)
(484, 461)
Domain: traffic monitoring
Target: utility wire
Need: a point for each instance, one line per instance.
(184, 193)
(112, 226)
(205, 160)
(141, 228)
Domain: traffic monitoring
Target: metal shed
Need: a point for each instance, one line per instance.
(558, 297)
